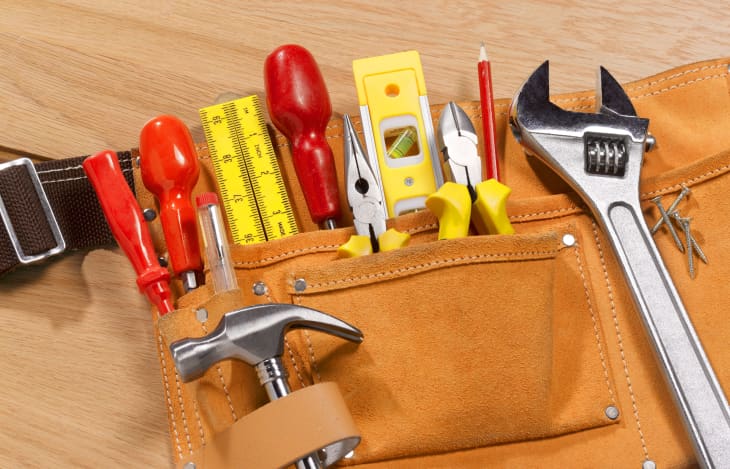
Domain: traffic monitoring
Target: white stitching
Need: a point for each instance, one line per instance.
(223, 383)
(620, 342)
(168, 398)
(440, 262)
(595, 325)
(77, 178)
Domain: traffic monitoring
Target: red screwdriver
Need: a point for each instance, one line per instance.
(127, 224)
(300, 108)
(169, 166)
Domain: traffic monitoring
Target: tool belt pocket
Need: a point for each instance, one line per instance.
(468, 342)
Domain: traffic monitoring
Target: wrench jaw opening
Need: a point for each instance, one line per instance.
(598, 154)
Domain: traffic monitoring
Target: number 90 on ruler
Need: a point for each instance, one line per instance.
(253, 192)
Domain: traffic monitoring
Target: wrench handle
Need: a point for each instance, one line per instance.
(691, 378)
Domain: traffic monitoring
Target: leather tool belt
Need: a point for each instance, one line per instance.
(522, 350)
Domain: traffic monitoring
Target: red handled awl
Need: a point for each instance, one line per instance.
(127, 224)
(300, 108)
(169, 167)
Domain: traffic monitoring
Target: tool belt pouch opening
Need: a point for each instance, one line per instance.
(480, 350)
(225, 419)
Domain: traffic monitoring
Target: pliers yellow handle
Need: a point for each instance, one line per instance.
(468, 198)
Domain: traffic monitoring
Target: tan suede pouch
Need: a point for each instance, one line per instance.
(509, 351)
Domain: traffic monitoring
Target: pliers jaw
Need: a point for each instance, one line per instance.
(458, 141)
(363, 193)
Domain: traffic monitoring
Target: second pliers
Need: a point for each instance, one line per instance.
(468, 197)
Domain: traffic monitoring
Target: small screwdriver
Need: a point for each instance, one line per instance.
(127, 224)
(300, 108)
(169, 166)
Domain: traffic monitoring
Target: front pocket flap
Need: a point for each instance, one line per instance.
(422, 258)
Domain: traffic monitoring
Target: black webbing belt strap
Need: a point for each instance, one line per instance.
(48, 208)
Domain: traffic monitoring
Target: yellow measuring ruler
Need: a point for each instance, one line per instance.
(254, 195)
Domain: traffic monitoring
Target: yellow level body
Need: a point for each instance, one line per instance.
(398, 129)
(254, 195)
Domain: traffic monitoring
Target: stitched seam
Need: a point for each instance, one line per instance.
(168, 397)
(442, 262)
(595, 325)
(223, 382)
(620, 342)
(548, 212)
(200, 424)
(70, 168)
(688, 181)
(182, 412)
(312, 358)
(287, 254)
(289, 348)
(76, 178)
(677, 75)
(680, 85)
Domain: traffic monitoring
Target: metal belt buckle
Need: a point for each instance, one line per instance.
(52, 223)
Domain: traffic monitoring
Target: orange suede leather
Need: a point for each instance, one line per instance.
(491, 350)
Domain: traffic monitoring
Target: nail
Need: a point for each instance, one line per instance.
(682, 194)
(667, 221)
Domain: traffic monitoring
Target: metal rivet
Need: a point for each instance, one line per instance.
(612, 412)
(136, 162)
(149, 214)
(162, 260)
(408, 181)
(648, 464)
(189, 465)
(201, 314)
(569, 239)
(259, 288)
(300, 284)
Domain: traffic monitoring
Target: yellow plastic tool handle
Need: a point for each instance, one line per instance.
(489, 210)
(359, 245)
(356, 246)
(393, 239)
(452, 205)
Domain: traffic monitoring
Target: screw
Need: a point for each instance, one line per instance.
(259, 288)
(149, 214)
(667, 221)
(690, 246)
(408, 181)
(682, 194)
(300, 285)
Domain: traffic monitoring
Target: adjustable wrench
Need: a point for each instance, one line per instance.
(600, 156)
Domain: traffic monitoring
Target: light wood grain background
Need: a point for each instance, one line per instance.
(80, 383)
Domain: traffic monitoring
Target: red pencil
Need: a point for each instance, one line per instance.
(487, 102)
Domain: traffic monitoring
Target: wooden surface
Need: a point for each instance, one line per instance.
(80, 378)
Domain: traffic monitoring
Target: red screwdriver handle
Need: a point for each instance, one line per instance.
(169, 166)
(125, 219)
(299, 106)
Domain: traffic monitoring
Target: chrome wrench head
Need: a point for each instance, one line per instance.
(600, 156)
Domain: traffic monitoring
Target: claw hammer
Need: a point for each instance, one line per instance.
(255, 335)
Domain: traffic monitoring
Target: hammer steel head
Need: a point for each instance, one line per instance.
(252, 335)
